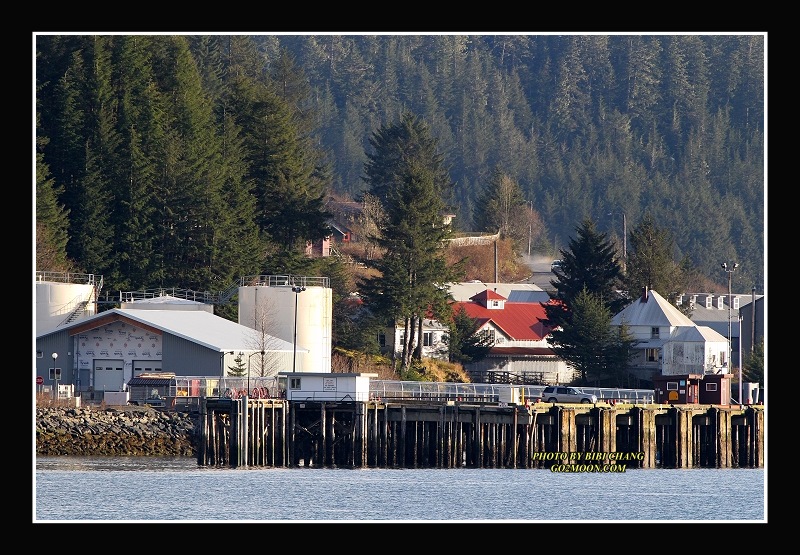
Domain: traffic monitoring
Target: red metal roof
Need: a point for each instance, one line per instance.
(487, 295)
(520, 351)
(519, 321)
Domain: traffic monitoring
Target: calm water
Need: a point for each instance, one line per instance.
(136, 489)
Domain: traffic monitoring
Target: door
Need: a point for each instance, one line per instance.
(108, 375)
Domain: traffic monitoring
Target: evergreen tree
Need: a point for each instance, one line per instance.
(137, 261)
(584, 342)
(465, 345)
(587, 264)
(238, 368)
(406, 174)
(589, 343)
(190, 187)
(52, 219)
(651, 262)
(753, 369)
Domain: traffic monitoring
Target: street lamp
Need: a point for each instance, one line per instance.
(729, 269)
(248, 367)
(624, 241)
(222, 369)
(55, 377)
(297, 289)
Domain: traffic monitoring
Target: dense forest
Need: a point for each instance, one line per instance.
(190, 161)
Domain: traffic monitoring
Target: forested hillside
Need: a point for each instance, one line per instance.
(190, 161)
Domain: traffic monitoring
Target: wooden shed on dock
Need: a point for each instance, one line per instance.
(683, 389)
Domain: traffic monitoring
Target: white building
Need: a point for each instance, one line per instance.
(669, 342)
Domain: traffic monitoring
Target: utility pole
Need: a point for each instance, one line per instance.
(729, 269)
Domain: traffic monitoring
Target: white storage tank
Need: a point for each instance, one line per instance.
(267, 303)
(63, 297)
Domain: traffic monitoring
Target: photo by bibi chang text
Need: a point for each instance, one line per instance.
(592, 461)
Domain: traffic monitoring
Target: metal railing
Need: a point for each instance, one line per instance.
(486, 392)
(285, 280)
(222, 297)
(67, 277)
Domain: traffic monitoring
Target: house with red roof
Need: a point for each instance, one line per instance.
(521, 351)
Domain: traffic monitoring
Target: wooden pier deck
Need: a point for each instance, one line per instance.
(453, 434)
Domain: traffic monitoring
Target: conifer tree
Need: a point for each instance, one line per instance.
(407, 175)
(52, 219)
(590, 345)
(587, 264)
(651, 263)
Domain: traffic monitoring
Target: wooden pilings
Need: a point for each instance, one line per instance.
(243, 432)
(432, 434)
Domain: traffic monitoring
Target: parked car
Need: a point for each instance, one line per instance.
(555, 264)
(565, 394)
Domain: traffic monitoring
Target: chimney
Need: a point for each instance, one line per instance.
(644, 294)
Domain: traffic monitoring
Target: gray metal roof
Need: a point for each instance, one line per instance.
(513, 292)
(699, 334)
(197, 326)
(655, 310)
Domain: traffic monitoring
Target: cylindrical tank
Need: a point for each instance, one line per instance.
(275, 304)
(58, 302)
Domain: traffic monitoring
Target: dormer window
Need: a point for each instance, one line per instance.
(736, 303)
(709, 301)
(495, 304)
(654, 332)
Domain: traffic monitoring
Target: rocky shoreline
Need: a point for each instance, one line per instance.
(120, 431)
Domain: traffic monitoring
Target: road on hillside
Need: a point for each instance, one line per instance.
(540, 272)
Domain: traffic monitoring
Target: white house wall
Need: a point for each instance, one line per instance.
(683, 358)
(437, 350)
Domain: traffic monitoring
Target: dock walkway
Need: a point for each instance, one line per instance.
(451, 434)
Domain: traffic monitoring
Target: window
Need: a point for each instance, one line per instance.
(294, 383)
(672, 386)
(427, 339)
(487, 336)
(709, 301)
(711, 387)
(735, 303)
(654, 333)
(651, 355)
(495, 304)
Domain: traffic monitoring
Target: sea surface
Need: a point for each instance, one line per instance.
(176, 489)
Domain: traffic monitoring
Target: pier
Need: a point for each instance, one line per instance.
(414, 433)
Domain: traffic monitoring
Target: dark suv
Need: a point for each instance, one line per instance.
(566, 394)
